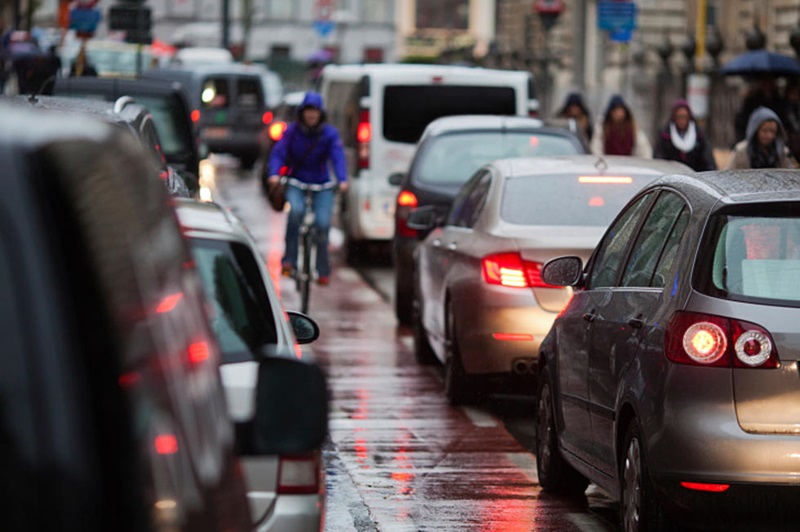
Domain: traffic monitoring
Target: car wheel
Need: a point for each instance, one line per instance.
(422, 347)
(640, 509)
(555, 474)
(458, 387)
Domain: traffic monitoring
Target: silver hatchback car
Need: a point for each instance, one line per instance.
(671, 378)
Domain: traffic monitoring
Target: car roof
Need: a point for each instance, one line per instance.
(208, 218)
(447, 124)
(381, 69)
(118, 86)
(212, 68)
(589, 164)
(120, 112)
(742, 186)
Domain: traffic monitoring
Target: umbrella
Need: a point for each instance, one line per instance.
(761, 62)
(320, 56)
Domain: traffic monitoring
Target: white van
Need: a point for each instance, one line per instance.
(381, 111)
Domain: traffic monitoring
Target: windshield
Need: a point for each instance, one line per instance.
(756, 257)
(453, 158)
(568, 199)
(240, 314)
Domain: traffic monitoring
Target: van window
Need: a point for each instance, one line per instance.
(249, 93)
(215, 94)
(408, 109)
(170, 121)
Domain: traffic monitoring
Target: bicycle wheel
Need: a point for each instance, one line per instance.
(305, 274)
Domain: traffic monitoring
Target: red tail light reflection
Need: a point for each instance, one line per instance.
(713, 488)
(166, 444)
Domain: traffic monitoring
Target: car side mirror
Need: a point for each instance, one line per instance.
(563, 271)
(305, 329)
(424, 218)
(396, 179)
(291, 409)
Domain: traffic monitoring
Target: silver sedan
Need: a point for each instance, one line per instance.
(480, 305)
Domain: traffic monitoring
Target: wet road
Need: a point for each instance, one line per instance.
(399, 457)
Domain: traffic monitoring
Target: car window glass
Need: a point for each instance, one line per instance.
(651, 239)
(241, 316)
(454, 157)
(170, 121)
(215, 93)
(408, 109)
(468, 201)
(610, 254)
(667, 259)
(248, 93)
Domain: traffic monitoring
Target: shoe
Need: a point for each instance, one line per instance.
(287, 270)
(324, 280)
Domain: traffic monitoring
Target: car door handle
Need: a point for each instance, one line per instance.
(437, 243)
(452, 246)
(637, 322)
(589, 317)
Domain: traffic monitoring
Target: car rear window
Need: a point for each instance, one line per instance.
(454, 157)
(249, 93)
(241, 319)
(215, 94)
(568, 199)
(171, 123)
(408, 109)
(756, 257)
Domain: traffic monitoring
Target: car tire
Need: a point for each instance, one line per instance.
(422, 347)
(639, 507)
(403, 302)
(554, 473)
(458, 386)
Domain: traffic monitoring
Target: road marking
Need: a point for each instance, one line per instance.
(587, 522)
(526, 463)
(479, 418)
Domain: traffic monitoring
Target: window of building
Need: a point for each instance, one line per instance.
(449, 14)
(376, 11)
(280, 10)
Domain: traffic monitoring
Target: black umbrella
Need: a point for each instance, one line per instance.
(760, 62)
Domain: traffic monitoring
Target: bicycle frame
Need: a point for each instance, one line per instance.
(307, 253)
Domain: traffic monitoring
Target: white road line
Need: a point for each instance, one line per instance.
(479, 418)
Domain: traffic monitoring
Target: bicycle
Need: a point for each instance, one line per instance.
(307, 243)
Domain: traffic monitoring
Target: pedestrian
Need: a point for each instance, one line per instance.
(792, 116)
(81, 65)
(305, 150)
(762, 92)
(764, 145)
(575, 108)
(617, 134)
(682, 140)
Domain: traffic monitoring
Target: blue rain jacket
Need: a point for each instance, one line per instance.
(297, 141)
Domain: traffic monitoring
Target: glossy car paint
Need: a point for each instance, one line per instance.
(736, 426)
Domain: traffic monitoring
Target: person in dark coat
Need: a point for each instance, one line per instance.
(305, 150)
(618, 133)
(575, 108)
(764, 145)
(682, 140)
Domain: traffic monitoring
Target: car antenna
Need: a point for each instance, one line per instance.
(601, 165)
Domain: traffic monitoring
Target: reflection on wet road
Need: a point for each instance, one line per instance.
(399, 457)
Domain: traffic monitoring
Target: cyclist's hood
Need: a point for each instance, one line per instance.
(311, 99)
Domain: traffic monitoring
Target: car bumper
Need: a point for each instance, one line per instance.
(370, 208)
(484, 323)
(697, 438)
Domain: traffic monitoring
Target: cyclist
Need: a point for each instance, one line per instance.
(304, 153)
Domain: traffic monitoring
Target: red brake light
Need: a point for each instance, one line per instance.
(714, 488)
(198, 352)
(363, 136)
(195, 116)
(700, 339)
(166, 444)
(513, 337)
(267, 117)
(299, 474)
(276, 131)
(509, 269)
(406, 198)
(169, 303)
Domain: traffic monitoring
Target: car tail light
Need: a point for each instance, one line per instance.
(705, 340)
(267, 117)
(198, 352)
(406, 202)
(509, 269)
(166, 444)
(699, 486)
(299, 474)
(276, 131)
(195, 116)
(363, 136)
(533, 114)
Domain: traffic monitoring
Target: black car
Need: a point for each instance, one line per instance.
(227, 106)
(166, 101)
(124, 113)
(449, 152)
(106, 422)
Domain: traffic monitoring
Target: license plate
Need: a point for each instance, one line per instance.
(216, 132)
